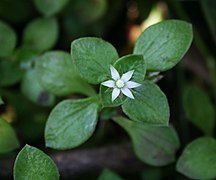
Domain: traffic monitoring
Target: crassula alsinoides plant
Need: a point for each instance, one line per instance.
(126, 81)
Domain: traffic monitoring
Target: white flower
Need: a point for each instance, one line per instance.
(121, 84)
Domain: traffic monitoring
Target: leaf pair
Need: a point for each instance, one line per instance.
(162, 46)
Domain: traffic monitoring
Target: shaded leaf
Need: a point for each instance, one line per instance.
(8, 139)
(59, 76)
(10, 73)
(49, 8)
(33, 90)
(198, 159)
(7, 39)
(41, 34)
(89, 11)
(199, 109)
(154, 145)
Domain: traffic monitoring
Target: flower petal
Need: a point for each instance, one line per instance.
(131, 84)
(109, 83)
(115, 93)
(127, 76)
(114, 73)
(127, 93)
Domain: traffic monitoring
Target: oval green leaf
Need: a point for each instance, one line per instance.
(58, 75)
(164, 44)
(150, 105)
(7, 39)
(33, 90)
(49, 8)
(123, 65)
(41, 34)
(154, 145)
(132, 62)
(198, 159)
(93, 57)
(32, 163)
(199, 109)
(71, 123)
(8, 139)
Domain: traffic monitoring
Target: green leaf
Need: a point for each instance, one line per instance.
(132, 62)
(32, 163)
(198, 159)
(150, 105)
(33, 90)
(49, 8)
(41, 34)
(58, 75)
(8, 139)
(89, 11)
(123, 65)
(10, 73)
(164, 44)
(93, 57)
(71, 123)
(154, 145)
(109, 175)
(7, 39)
(199, 109)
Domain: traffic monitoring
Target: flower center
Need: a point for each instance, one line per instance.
(120, 83)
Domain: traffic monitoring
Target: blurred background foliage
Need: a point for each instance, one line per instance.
(28, 28)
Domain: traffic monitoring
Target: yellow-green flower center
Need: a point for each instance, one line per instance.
(120, 83)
